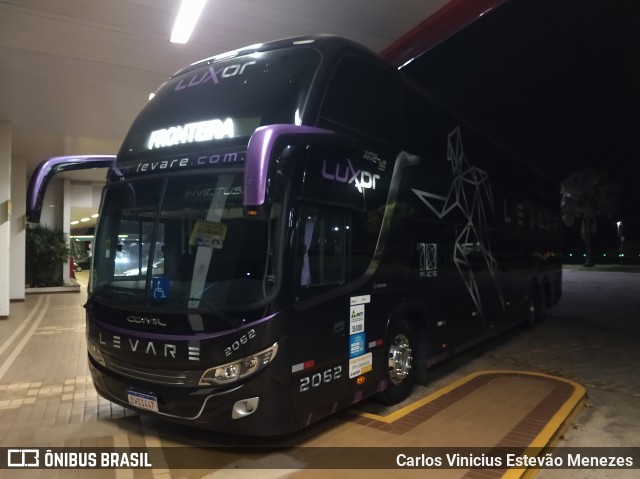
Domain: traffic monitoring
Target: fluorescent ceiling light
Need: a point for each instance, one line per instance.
(186, 20)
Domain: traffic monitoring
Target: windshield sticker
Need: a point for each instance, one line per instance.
(209, 234)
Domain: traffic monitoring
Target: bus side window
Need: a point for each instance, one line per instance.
(322, 248)
(365, 97)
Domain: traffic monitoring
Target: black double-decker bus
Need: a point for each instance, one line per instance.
(292, 227)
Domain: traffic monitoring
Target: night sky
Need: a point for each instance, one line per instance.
(555, 82)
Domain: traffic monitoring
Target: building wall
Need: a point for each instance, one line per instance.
(5, 214)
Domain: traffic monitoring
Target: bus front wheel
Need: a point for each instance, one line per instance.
(400, 344)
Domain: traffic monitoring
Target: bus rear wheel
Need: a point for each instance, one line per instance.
(400, 344)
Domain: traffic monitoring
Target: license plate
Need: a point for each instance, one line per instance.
(143, 401)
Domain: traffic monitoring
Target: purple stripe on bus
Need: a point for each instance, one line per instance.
(177, 337)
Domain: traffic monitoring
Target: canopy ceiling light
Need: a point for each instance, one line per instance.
(186, 20)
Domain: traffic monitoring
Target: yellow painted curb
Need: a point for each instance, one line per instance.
(545, 438)
(550, 434)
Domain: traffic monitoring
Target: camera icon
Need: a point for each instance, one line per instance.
(23, 457)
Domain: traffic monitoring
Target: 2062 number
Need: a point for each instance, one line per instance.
(317, 379)
(244, 339)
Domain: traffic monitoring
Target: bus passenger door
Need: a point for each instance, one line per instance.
(320, 339)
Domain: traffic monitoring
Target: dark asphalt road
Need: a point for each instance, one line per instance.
(610, 299)
(591, 337)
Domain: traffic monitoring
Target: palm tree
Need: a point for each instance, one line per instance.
(586, 194)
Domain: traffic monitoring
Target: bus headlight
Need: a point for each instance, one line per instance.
(240, 369)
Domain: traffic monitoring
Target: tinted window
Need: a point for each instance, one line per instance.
(222, 100)
(425, 126)
(364, 97)
(192, 233)
(322, 248)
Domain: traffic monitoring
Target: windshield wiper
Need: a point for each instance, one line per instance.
(211, 307)
(198, 296)
(125, 291)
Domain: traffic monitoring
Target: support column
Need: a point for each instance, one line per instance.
(18, 231)
(5, 214)
(66, 226)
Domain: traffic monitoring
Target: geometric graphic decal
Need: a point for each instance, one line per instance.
(469, 194)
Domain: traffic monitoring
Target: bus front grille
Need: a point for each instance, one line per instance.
(169, 377)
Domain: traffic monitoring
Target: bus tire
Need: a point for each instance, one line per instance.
(400, 345)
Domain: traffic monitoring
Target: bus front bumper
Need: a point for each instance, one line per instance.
(251, 408)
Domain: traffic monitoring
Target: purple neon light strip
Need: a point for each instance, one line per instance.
(259, 151)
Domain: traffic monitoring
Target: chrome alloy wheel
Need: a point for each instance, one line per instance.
(400, 359)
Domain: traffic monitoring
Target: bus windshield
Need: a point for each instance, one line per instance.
(222, 101)
(182, 242)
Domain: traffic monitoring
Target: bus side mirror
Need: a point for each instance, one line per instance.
(51, 167)
(262, 145)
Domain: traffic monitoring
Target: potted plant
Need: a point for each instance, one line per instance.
(46, 252)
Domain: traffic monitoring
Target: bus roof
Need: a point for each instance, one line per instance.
(327, 44)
